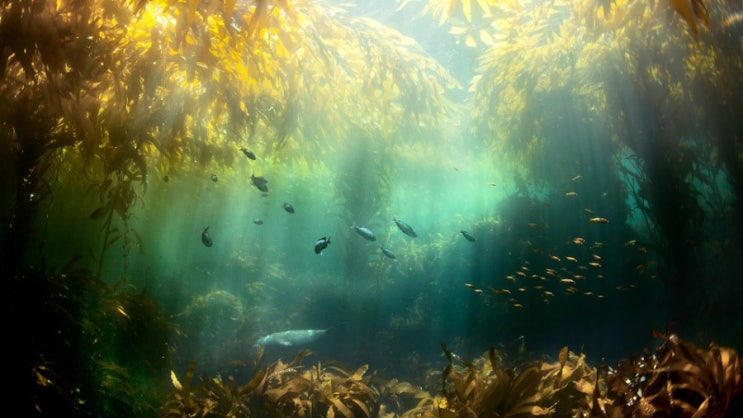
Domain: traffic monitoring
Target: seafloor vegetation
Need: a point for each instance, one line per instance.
(113, 108)
(89, 350)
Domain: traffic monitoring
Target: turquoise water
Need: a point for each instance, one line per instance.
(591, 229)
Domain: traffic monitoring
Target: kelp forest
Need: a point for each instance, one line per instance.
(393, 208)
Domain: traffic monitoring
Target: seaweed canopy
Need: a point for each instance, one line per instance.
(127, 88)
(694, 12)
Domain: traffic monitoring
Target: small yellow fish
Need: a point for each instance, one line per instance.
(576, 178)
(579, 241)
(573, 259)
(571, 194)
(567, 281)
(555, 258)
(517, 305)
(594, 264)
(470, 285)
(501, 291)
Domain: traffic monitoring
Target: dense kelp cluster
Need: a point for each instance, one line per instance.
(78, 347)
(677, 379)
(111, 96)
(130, 92)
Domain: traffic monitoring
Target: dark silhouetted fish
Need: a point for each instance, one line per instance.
(258, 221)
(248, 153)
(366, 233)
(405, 228)
(287, 207)
(467, 235)
(214, 178)
(260, 182)
(322, 244)
(98, 213)
(205, 238)
(387, 252)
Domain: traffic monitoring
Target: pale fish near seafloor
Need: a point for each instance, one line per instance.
(291, 337)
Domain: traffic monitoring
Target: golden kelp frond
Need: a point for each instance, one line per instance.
(174, 82)
(679, 379)
(279, 389)
(485, 388)
(444, 9)
(693, 12)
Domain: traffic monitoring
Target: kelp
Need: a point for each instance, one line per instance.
(693, 12)
(116, 342)
(678, 379)
(127, 89)
(485, 387)
(277, 390)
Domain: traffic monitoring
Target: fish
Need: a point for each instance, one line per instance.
(258, 221)
(321, 244)
(214, 178)
(260, 182)
(387, 252)
(599, 220)
(205, 238)
(287, 207)
(98, 213)
(248, 153)
(571, 194)
(364, 232)
(405, 228)
(467, 235)
(291, 337)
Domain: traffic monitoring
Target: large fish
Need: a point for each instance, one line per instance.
(248, 153)
(387, 252)
(291, 337)
(467, 235)
(260, 182)
(205, 238)
(364, 232)
(322, 244)
(405, 228)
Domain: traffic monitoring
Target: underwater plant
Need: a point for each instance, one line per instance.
(678, 379)
(277, 390)
(82, 348)
(125, 90)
